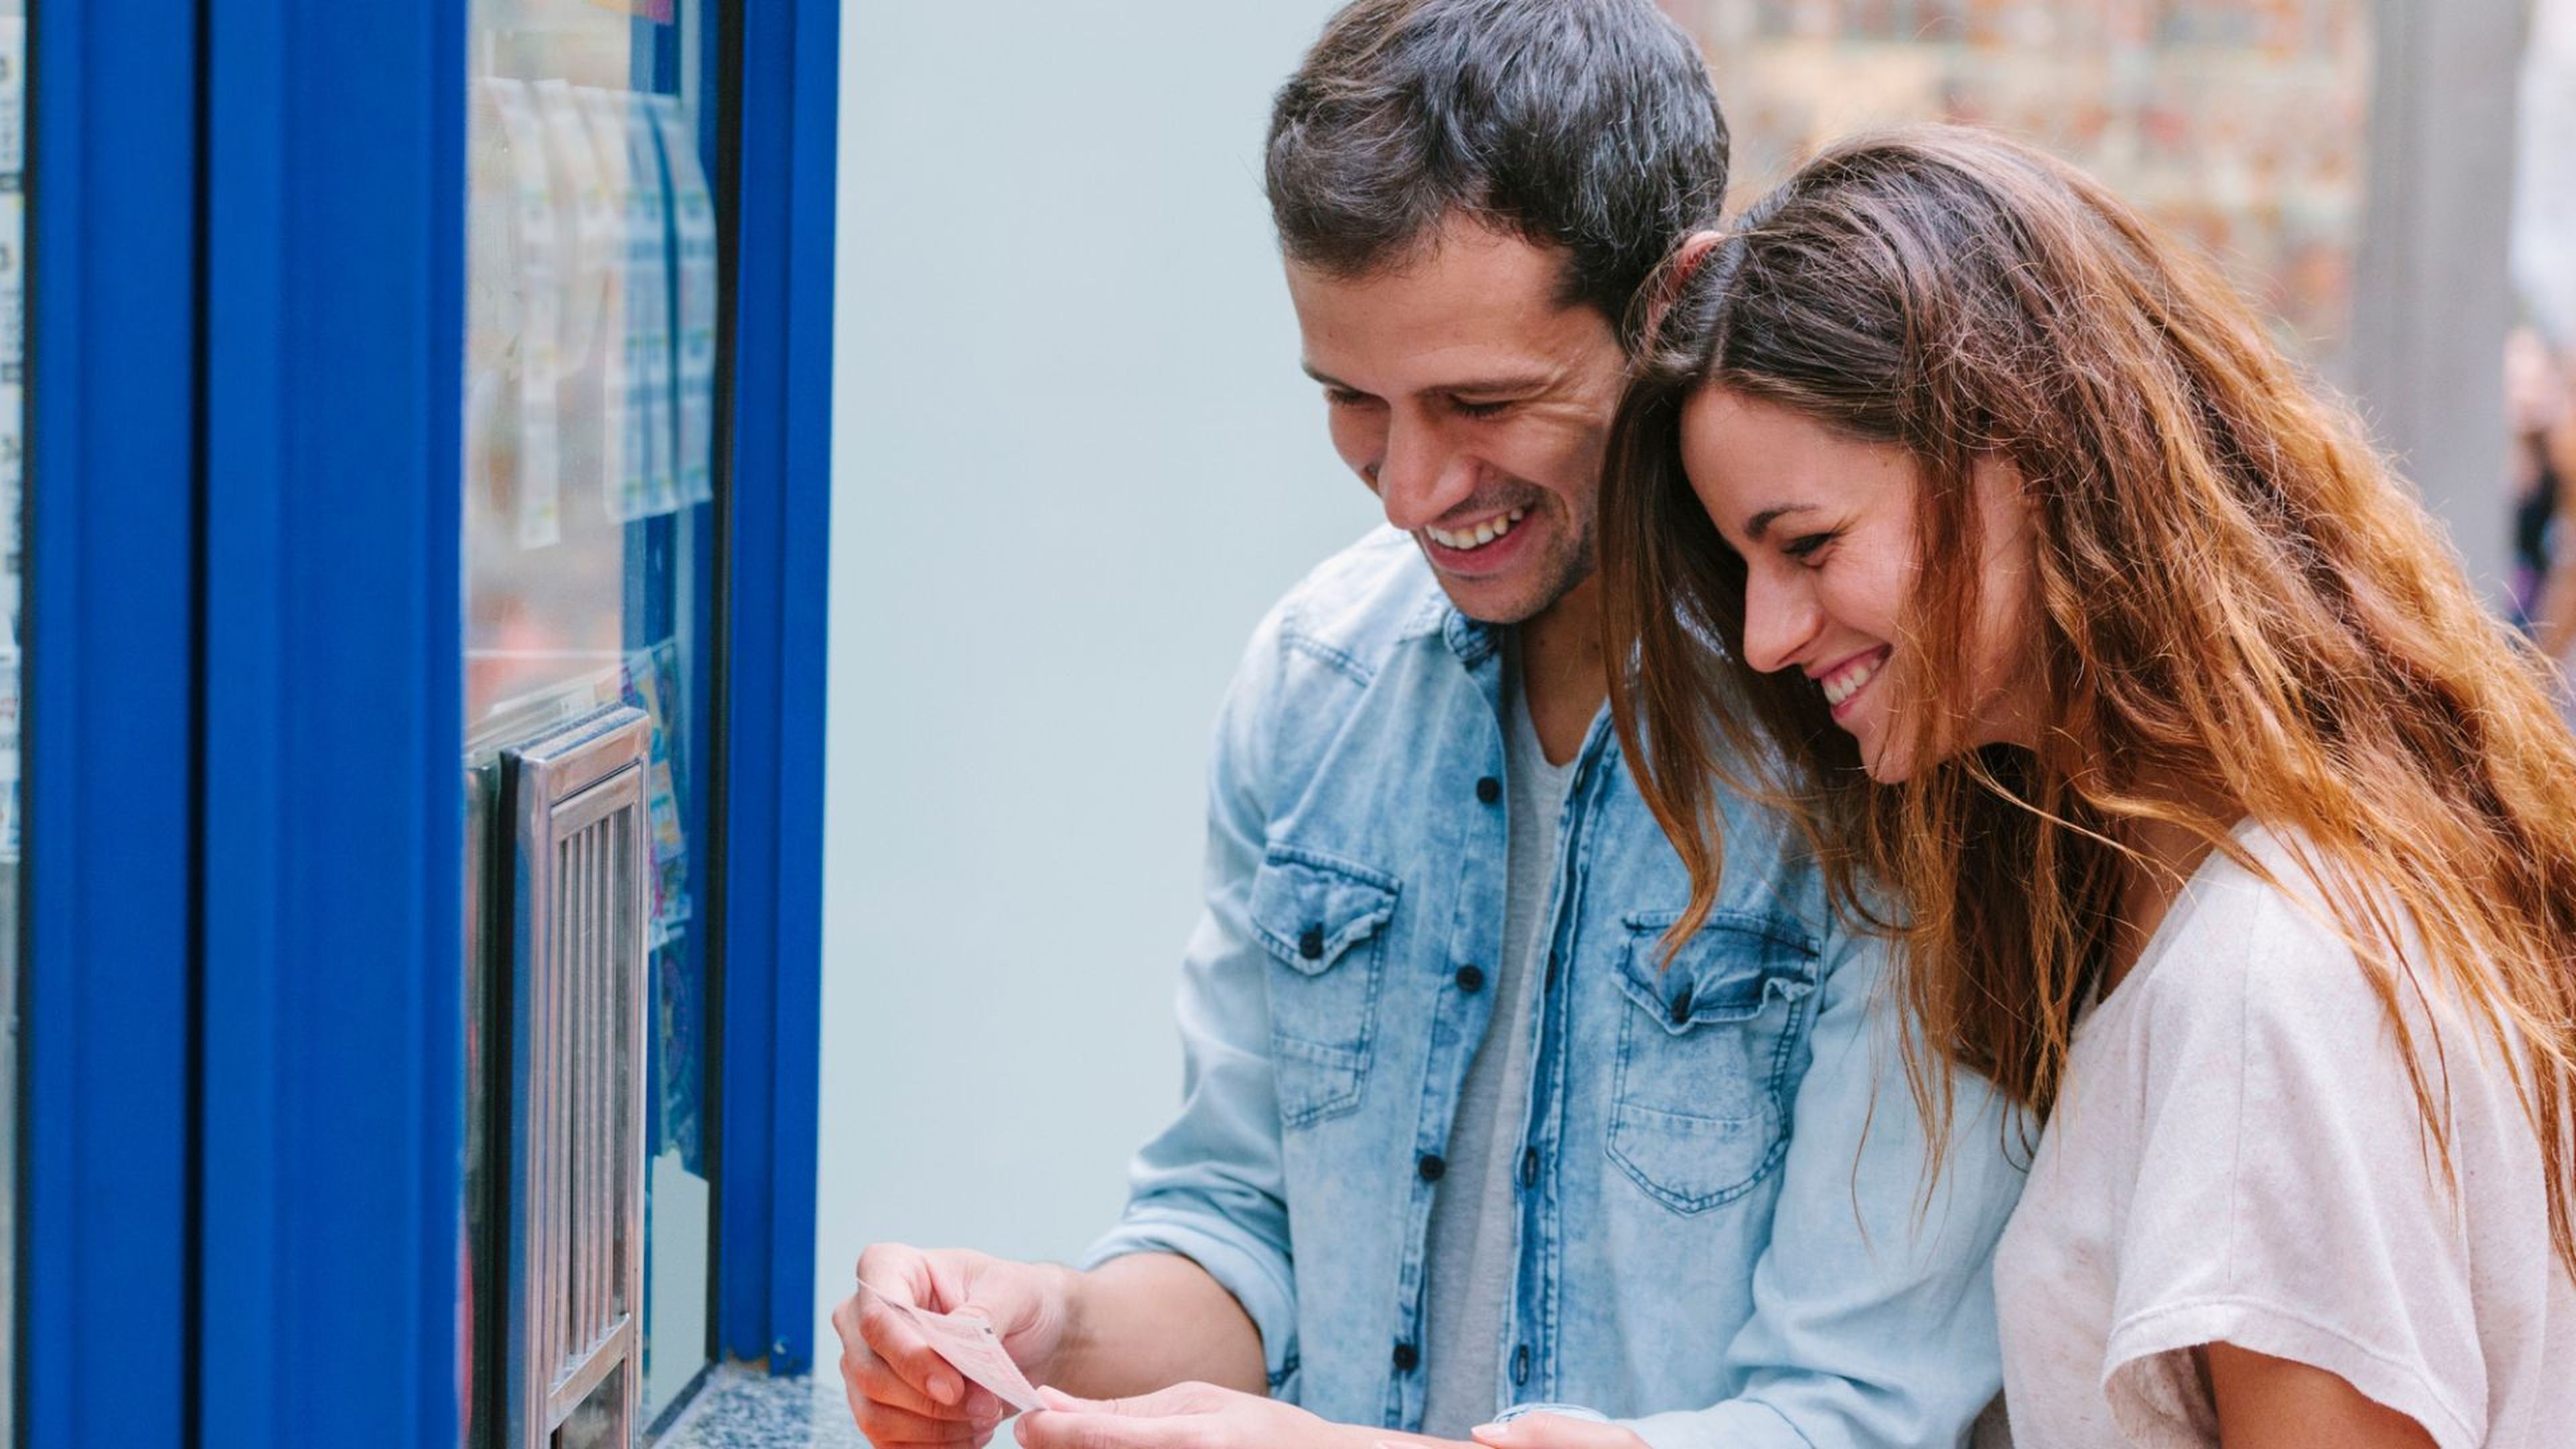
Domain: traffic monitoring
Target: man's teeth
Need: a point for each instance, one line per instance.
(1477, 537)
(1847, 682)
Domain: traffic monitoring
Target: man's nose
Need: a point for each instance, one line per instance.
(1780, 619)
(1421, 477)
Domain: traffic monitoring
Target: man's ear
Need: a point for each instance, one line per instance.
(1664, 286)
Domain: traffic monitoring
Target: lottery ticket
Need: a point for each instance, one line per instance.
(970, 1345)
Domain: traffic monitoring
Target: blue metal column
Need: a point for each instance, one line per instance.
(108, 830)
(333, 706)
(778, 502)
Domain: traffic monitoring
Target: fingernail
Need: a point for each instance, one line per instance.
(1491, 1433)
(947, 1390)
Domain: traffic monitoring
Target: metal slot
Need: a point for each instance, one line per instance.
(576, 984)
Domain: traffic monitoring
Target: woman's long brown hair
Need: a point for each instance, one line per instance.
(2243, 612)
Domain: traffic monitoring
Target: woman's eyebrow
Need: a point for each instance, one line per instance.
(1761, 522)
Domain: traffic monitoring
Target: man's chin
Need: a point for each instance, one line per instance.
(1497, 602)
(1515, 598)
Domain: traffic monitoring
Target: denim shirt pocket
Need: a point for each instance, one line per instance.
(1697, 1115)
(1323, 921)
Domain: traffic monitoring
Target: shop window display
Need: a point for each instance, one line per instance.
(592, 315)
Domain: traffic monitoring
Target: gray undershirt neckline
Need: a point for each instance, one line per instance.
(1474, 1238)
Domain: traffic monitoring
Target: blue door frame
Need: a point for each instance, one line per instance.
(109, 828)
(777, 539)
(331, 940)
(244, 1029)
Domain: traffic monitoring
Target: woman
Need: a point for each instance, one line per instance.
(2541, 393)
(2535, 402)
(2221, 825)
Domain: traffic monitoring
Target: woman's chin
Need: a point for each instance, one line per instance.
(1883, 764)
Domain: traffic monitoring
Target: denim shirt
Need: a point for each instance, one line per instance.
(1726, 1231)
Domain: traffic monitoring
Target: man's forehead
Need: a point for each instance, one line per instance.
(1379, 335)
(1464, 303)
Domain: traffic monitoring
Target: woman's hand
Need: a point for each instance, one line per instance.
(1185, 1416)
(1534, 1431)
(1555, 1431)
(1203, 1416)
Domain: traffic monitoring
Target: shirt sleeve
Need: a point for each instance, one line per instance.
(1209, 1186)
(2288, 1197)
(1874, 1314)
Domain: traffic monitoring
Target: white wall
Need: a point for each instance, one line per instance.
(1073, 463)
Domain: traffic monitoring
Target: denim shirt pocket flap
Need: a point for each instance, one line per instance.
(1696, 1117)
(1311, 909)
(1737, 963)
(1323, 922)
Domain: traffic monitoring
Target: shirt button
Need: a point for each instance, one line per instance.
(1405, 1358)
(1520, 1364)
(1489, 789)
(1471, 979)
(1311, 944)
(1431, 1167)
(1682, 1007)
(1529, 1167)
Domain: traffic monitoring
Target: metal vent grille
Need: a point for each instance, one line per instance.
(577, 1060)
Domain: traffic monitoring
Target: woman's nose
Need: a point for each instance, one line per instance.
(1780, 617)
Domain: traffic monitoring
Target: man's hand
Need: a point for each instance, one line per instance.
(1555, 1431)
(1185, 1416)
(901, 1392)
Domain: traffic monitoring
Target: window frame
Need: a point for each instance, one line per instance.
(108, 841)
(243, 1088)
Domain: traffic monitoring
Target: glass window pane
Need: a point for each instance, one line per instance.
(589, 406)
(13, 422)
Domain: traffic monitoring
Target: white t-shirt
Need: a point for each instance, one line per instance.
(2237, 1156)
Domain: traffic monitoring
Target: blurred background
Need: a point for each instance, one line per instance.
(1076, 461)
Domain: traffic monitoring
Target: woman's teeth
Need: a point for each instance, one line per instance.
(1845, 682)
(1477, 537)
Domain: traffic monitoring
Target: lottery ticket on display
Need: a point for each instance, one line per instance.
(651, 684)
(538, 253)
(621, 427)
(582, 194)
(13, 477)
(972, 1347)
(9, 752)
(649, 302)
(13, 95)
(693, 220)
(13, 284)
(13, 216)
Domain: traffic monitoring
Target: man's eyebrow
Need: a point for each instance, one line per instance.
(1474, 387)
(1761, 522)
(1503, 386)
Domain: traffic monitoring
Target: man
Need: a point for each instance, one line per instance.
(1455, 1135)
